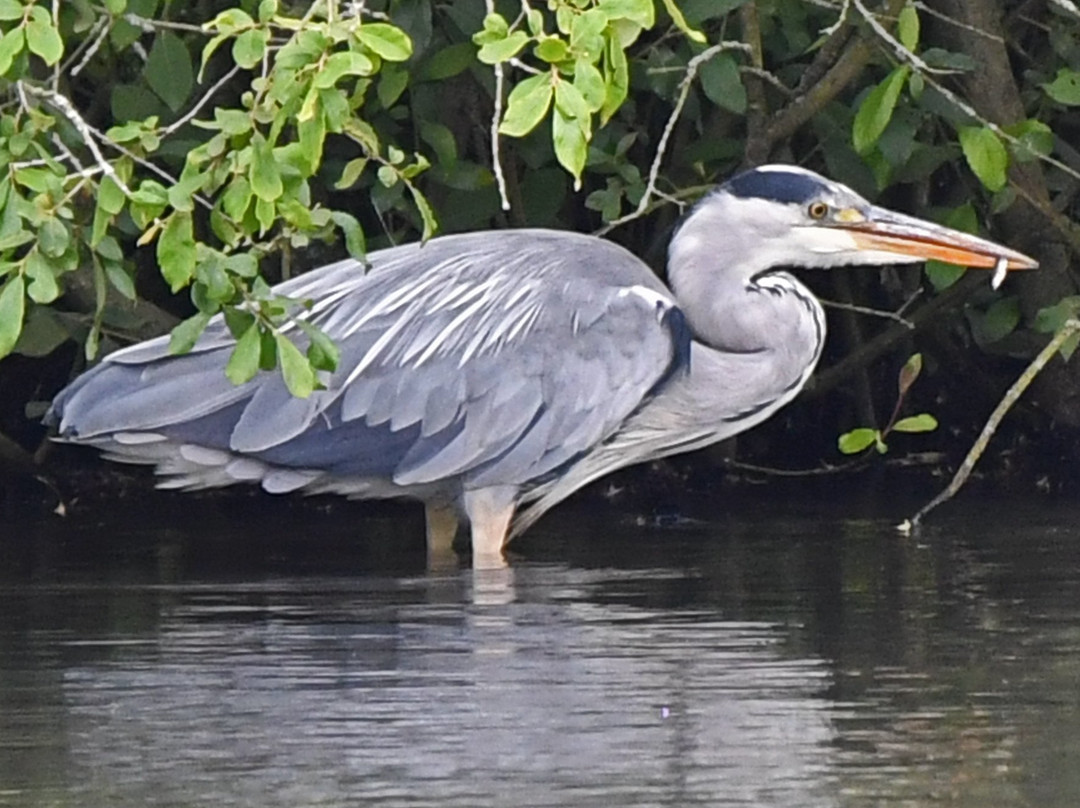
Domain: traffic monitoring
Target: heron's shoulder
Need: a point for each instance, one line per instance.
(558, 259)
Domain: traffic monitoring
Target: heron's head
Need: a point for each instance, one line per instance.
(780, 215)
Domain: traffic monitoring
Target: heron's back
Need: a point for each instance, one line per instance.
(474, 360)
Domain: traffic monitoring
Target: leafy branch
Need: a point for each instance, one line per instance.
(861, 439)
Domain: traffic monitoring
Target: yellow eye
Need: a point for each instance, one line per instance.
(817, 210)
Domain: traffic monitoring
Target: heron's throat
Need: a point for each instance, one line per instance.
(737, 299)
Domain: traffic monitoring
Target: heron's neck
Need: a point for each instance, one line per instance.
(760, 332)
(733, 298)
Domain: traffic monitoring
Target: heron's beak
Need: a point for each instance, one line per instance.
(881, 230)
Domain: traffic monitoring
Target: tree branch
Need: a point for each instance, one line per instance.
(1011, 396)
(692, 68)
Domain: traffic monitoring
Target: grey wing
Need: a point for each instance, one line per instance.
(488, 358)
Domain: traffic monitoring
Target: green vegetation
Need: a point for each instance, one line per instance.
(164, 162)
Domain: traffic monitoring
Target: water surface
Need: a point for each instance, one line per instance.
(806, 657)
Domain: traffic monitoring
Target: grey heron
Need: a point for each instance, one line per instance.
(492, 374)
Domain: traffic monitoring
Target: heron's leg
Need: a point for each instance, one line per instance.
(490, 511)
(442, 525)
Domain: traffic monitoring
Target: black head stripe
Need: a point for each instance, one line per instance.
(780, 186)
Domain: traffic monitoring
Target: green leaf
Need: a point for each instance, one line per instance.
(907, 27)
(109, 249)
(997, 322)
(11, 44)
(322, 353)
(427, 213)
(502, 49)
(250, 47)
(43, 287)
(12, 311)
(176, 251)
(295, 368)
(986, 155)
(388, 176)
(11, 10)
(535, 19)
(110, 197)
(354, 234)
(722, 84)
(1069, 346)
(909, 373)
(390, 42)
(16, 238)
(351, 173)
(1036, 139)
(243, 362)
(587, 34)
(243, 264)
(680, 22)
(43, 331)
(572, 104)
(942, 275)
(120, 279)
(264, 175)
(232, 19)
(552, 49)
(527, 105)
(876, 110)
(265, 214)
(168, 70)
(571, 147)
(1051, 319)
(392, 83)
(447, 63)
(590, 83)
(183, 338)
(641, 12)
(857, 440)
(616, 80)
(923, 422)
(1065, 88)
(43, 39)
(53, 238)
(351, 63)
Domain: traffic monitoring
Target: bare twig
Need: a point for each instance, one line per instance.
(67, 109)
(520, 65)
(920, 66)
(692, 68)
(897, 47)
(845, 69)
(1067, 6)
(496, 118)
(165, 175)
(682, 197)
(867, 352)
(765, 75)
(887, 315)
(100, 31)
(191, 113)
(55, 80)
(840, 20)
(1011, 396)
(933, 12)
(775, 472)
(149, 26)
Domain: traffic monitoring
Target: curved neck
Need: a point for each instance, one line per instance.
(760, 331)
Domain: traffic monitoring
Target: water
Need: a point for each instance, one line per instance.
(804, 658)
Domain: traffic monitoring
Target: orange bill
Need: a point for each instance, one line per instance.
(885, 231)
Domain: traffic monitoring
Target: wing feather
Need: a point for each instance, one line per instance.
(489, 358)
